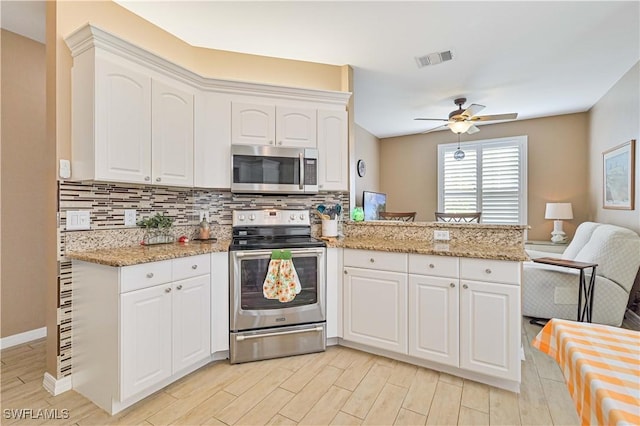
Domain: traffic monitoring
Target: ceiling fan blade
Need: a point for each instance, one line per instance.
(473, 129)
(432, 119)
(435, 128)
(472, 110)
(511, 116)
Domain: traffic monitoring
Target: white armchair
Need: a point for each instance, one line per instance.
(552, 292)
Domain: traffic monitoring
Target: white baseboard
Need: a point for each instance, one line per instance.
(27, 336)
(56, 386)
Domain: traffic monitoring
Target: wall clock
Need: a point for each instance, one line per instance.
(362, 168)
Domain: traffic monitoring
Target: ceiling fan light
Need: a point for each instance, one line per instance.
(460, 126)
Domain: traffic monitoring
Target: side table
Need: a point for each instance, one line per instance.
(584, 311)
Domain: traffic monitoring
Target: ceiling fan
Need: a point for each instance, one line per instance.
(461, 121)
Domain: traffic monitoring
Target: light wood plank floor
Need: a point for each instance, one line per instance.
(339, 386)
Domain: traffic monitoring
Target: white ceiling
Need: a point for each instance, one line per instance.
(26, 17)
(534, 58)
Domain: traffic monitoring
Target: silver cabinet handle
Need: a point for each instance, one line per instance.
(179, 287)
(270, 142)
(465, 286)
(488, 271)
(194, 266)
(452, 285)
(431, 265)
(372, 260)
(158, 179)
(167, 290)
(280, 143)
(150, 275)
(147, 178)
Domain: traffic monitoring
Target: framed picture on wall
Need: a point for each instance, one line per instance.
(618, 174)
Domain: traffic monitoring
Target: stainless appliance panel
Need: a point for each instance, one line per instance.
(277, 342)
(253, 311)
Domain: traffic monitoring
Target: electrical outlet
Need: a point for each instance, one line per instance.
(129, 217)
(78, 220)
(441, 235)
(203, 215)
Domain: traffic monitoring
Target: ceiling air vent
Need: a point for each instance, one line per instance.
(434, 58)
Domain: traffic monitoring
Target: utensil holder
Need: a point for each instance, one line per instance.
(330, 228)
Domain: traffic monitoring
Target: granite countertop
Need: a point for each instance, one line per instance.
(474, 250)
(127, 256)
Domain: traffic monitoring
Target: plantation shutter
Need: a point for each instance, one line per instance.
(491, 179)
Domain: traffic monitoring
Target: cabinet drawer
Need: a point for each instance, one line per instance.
(497, 271)
(191, 266)
(370, 259)
(439, 266)
(144, 275)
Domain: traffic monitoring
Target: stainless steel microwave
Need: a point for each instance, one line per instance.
(267, 169)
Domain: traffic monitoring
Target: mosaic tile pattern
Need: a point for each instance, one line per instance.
(107, 202)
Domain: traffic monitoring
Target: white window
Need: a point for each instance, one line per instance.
(492, 179)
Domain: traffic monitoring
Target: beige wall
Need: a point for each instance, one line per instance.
(113, 18)
(557, 168)
(367, 149)
(615, 119)
(28, 187)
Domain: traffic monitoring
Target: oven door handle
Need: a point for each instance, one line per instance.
(258, 253)
(240, 338)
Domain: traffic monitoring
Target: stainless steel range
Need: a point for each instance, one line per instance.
(262, 328)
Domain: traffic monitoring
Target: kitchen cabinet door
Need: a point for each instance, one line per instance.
(122, 120)
(296, 127)
(145, 330)
(212, 145)
(219, 302)
(433, 318)
(374, 306)
(490, 328)
(172, 134)
(191, 321)
(253, 124)
(333, 151)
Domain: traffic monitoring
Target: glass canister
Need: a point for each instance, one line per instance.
(205, 230)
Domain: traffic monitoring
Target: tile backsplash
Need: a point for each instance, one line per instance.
(107, 202)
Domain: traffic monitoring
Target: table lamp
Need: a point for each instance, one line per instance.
(557, 212)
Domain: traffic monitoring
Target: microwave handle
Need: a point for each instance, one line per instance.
(301, 157)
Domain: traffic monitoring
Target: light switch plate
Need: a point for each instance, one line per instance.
(65, 169)
(441, 235)
(78, 220)
(130, 217)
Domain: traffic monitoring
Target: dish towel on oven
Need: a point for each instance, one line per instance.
(282, 281)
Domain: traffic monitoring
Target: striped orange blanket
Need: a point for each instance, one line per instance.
(601, 365)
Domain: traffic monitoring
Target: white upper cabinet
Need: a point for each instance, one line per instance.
(171, 135)
(257, 124)
(122, 140)
(212, 157)
(333, 150)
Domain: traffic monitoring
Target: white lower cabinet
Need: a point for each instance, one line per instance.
(433, 319)
(375, 300)
(220, 303)
(490, 329)
(143, 326)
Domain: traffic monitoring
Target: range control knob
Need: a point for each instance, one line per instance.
(241, 217)
(302, 216)
(252, 216)
(292, 216)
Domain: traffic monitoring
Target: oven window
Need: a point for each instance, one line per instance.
(254, 271)
(266, 170)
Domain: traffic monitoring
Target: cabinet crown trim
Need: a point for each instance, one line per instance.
(91, 36)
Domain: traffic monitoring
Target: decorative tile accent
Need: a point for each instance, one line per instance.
(107, 202)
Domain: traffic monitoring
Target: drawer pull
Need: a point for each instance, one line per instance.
(465, 286)
(150, 275)
(452, 285)
(194, 266)
(180, 287)
(147, 178)
(488, 271)
(345, 272)
(431, 265)
(371, 260)
(167, 290)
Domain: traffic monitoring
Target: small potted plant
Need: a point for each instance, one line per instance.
(157, 229)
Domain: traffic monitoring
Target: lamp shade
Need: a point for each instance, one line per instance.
(460, 126)
(558, 211)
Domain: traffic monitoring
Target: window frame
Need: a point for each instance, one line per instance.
(521, 141)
